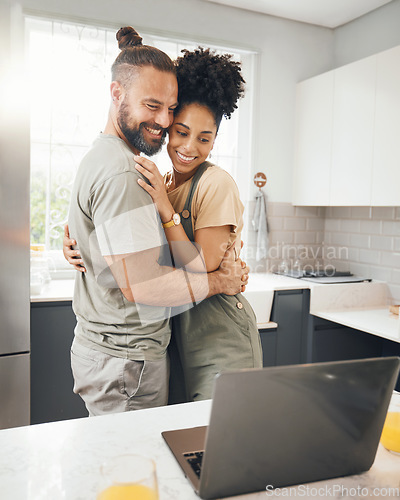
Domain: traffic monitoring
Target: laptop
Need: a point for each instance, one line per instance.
(287, 425)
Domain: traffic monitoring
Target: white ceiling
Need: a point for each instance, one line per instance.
(328, 13)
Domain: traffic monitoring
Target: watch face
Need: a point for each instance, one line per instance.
(177, 219)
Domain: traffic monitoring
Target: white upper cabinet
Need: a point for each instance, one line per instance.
(360, 160)
(386, 155)
(313, 140)
(353, 130)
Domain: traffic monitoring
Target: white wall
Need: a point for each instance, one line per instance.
(368, 35)
(289, 52)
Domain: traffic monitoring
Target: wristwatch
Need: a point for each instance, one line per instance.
(175, 221)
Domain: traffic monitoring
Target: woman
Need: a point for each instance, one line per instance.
(220, 333)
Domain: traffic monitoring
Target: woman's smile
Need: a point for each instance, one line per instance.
(185, 159)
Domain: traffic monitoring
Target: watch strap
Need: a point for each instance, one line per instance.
(175, 221)
(170, 223)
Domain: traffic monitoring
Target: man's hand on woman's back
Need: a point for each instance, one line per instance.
(72, 256)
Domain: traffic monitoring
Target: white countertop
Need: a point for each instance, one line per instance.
(63, 289)
(380, 321)
(55, 291)
(362, 306)
(260, 299)
(61, 460)
(271, 281)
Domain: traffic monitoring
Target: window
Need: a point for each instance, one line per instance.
(69, 65)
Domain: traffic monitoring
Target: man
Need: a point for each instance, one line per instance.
(123, 301)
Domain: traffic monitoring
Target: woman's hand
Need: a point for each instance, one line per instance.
(156, 189)
(71, 255)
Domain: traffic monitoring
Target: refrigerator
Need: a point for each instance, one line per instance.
(14, 224)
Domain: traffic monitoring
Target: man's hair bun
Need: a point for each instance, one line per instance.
(128, 37)
(135, 55)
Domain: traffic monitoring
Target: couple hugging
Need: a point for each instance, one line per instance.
(159, 254)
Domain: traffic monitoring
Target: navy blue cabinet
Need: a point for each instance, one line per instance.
(268, 343)
(52, 331)
(286, 344)
(303, 338)
(330, 341)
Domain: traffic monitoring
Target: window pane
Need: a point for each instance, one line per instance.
(69, 80)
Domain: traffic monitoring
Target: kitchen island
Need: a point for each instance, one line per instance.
(61, 460)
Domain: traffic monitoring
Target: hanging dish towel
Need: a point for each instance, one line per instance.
(260, 225)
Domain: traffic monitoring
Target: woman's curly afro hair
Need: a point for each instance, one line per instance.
(209, 79)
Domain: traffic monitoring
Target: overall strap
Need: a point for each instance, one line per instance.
(186, 214)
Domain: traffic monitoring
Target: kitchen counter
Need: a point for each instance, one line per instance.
(61, 460)
(63, 290)
(55, 291)
(363, 306)
(379, 321)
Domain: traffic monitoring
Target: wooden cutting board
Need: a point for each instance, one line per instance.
(394, 309)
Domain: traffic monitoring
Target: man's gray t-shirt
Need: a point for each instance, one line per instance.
(110, 214)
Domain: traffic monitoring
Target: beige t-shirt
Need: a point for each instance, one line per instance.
(215, 202)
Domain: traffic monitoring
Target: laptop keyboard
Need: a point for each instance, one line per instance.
(195, 459)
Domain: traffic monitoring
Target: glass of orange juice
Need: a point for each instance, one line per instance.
(129, 477)
(391, 430)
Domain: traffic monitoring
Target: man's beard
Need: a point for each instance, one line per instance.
(135, 136)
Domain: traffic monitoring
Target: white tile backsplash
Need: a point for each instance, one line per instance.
(382, 242)
(396, 276)
(286, 237)
(374, 245)
(294, 223)
(353, 255)
(379, 213)
(332, 225)
(305, 237)
(340, 239)
(350, 226)
(381, 273)
(371, 226)
(361, 212)
(360, 240)
(341, 212)
(391, 259)
(306, 211)
(394, 291)
(368, 256)
(391, 227)
(320, 237)
(363, 240)
(315, 224)
(275, 223)
(282, 209)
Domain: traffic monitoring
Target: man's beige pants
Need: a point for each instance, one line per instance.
(108, 384)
